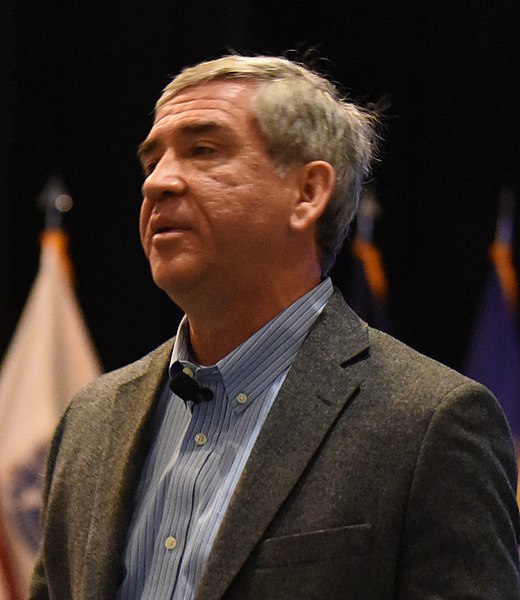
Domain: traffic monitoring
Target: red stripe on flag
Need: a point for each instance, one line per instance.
(7, 567)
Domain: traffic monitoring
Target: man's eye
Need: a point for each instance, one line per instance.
(202, 150)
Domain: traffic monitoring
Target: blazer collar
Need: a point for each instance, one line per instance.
(319, 385)
(125, 451)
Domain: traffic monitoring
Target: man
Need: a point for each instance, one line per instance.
(314, 457)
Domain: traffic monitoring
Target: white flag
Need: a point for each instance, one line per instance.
(50, 358)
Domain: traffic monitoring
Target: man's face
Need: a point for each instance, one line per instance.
(215, 213)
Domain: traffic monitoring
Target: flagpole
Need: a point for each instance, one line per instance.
(55, 201)
(506, 209)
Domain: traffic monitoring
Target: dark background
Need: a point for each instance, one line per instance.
(78, 82)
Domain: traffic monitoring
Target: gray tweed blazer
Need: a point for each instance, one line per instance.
(379, 474)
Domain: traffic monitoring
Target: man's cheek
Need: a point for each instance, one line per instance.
(144, 217)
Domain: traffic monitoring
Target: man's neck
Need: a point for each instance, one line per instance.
(215, 333)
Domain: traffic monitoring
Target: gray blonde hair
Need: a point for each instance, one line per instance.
(303, 117)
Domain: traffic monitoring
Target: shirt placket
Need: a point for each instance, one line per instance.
(184, 487)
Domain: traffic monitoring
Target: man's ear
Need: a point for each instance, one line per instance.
(316, 184)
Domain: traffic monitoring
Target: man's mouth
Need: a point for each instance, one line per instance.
(162, 227)
(164, 232)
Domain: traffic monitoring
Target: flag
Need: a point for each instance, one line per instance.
(50, 358)
(367, 288)
(494, 351)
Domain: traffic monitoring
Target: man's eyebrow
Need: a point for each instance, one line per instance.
(203, 127)
(146, 148)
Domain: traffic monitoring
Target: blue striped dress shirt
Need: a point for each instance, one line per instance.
(199, 452)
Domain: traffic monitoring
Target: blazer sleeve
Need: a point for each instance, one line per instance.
(39, 588)
(461, 528)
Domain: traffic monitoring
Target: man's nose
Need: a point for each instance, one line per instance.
(165, 180)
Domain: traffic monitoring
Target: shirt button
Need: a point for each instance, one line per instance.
(201, 439)
(242, 398)
(170, 542)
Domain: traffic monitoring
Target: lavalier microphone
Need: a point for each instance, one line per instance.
(184, 385)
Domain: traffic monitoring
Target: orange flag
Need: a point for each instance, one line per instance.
(367, 288)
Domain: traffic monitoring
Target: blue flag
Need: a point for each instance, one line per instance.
(494, 354)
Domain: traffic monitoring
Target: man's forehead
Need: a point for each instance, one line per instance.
(218, 107)
(227, 95)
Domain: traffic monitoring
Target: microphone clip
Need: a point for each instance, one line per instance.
(184, 385)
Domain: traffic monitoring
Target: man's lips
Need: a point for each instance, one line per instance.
(172, 229)
(167, 236)
(163, 227)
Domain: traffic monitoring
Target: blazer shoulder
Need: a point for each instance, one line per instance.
(401, 366)
(152, 365)
(390, 370)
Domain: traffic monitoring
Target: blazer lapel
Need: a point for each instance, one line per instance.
(317, 388)
(122, 460)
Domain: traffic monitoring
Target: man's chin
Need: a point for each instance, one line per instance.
(176, 284)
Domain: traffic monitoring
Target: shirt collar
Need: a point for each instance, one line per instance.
(260, 359)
